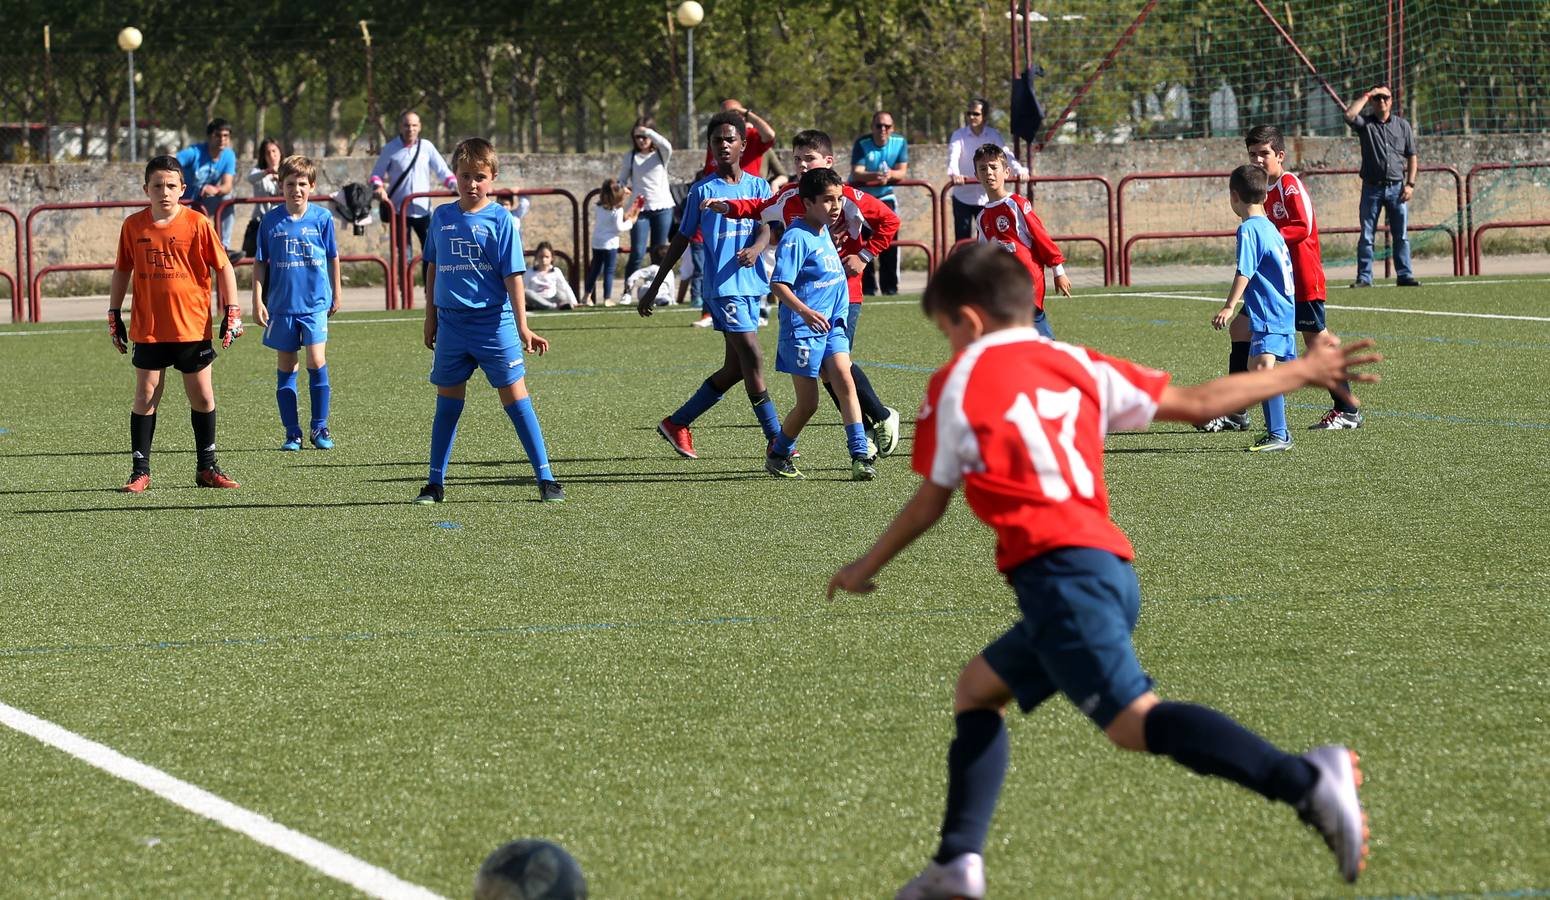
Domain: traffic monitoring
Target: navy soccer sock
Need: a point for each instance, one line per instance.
(531, 436)
(321, 391)
(1209, 742)
(141, 429)
(204, 437)
(976, 766)
(764, 411)
(703, 399)
(1238, 361)
(443, 431)
(1341, 403)
(285, 396)
(872, 408)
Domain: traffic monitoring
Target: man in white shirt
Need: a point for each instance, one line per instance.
(968, 197)
(408, 165)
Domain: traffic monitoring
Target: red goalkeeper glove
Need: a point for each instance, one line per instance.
(231, 326)
(117, 332)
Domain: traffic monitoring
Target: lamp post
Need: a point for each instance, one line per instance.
(129, 41)
(689, 15)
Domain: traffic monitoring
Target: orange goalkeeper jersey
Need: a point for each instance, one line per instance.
(170, 264)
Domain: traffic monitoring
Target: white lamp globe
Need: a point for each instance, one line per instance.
(129, 39)
(690, 13)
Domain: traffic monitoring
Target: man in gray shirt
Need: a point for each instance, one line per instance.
(1389, 167)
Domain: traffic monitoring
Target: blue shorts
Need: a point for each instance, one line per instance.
(1309, 315)
(805, 355)
(289, 332)
(487, 340)
(735, 314)
(1079, 607)
(1282, 346)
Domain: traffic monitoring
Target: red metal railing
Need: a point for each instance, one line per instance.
(1176, 235)
(1059, 239)
(1105, 246)
(1119, 214)
(16, 278)
(932, 249)
(386, 264)
(34, 298)
(406, 262)
(1469, 209)
(1458, 234)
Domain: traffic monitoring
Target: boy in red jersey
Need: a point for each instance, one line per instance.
(1019, 422)
(812, 149)
(1009, 222)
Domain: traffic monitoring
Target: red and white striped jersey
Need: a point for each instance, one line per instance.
(1011, 223)
(859, 209)
(1019, 421)
(1291, 211)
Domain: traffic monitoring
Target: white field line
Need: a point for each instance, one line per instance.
(1383, 309)
(311, 852)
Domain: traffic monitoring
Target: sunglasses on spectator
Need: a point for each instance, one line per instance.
(974, 112)
(885, 126)
(641, 137)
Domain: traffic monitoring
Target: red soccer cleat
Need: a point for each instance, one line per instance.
(215, 478)
(679, 437)
(137, 483)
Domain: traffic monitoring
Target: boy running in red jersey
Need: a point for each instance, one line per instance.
(1009, 222)
(1019, 422)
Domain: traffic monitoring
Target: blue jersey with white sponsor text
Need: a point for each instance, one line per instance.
(200, 168)
(723, 276)
(1264, 260)
(806, 261)
(296, 253)
(473, 253)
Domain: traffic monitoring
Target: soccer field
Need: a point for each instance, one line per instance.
(650, 675)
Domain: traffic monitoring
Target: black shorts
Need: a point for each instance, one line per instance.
(1309, 315)
(187, 357)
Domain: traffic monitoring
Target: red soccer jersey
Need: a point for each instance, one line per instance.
(1291, 212)
(1019, 421)
(859, 208)
(754, 148)
(1012, 223)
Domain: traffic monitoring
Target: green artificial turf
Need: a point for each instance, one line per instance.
(649, 674)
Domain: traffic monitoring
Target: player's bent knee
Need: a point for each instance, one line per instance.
(979, 687)
(1128, 729)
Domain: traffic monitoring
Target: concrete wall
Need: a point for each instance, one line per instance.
(1075, 208)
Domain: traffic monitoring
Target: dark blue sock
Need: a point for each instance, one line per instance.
(1210, 743)
(317, 383)
(872, 409)
(703, 399)
(764, 411)
(1275, 417)
(531, 436)
(285, 396)
(976, 766)
(443, 430)
(782, 445)
(855, 440)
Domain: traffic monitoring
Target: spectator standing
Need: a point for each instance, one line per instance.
(968, 196)
(644, 172)
(410, 164)
(210, 173)
(1389, 167)
(758, 138)
(265, 179)
(877, 161)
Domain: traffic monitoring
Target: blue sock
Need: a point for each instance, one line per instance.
(317, 383)
(443, 430)
(1275, 417)
(1210, 743)
(703, 399)
(855, 439)
(764, 411)
(782, 445)
(976, 766)
(285, 395)
(531, 436)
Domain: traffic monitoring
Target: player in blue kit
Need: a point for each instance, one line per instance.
(478, 316)
(295, 291)
(1264, 283)
(733, 281)
(811, 285)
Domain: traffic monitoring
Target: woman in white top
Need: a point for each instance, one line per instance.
(265, 178)
(968, 197)
(644, 171)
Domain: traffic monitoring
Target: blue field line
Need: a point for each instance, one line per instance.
(1482, 895)
(1429, 417)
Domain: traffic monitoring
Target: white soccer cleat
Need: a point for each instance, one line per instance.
(1333, 808)
(962, 878)
(888, 433)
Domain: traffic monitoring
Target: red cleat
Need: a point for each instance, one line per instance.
(679, 437)
(137, 483)
(215, 478)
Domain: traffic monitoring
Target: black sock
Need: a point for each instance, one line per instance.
(833, 396)
(1238, 361)
(1210, 743)
(872, 409)
(204, 437)
(141, 429)
(1341, 403)
(976, 766)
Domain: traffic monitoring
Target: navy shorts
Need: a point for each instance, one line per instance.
(1309, 315)
(1079, 607)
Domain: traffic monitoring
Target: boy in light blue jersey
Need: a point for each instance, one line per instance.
(733, 280)
(811, 285)
(478, 316)
(1264, 284)
(295, 291)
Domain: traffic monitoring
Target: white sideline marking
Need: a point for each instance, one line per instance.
(332, 862)
(1170, 295)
